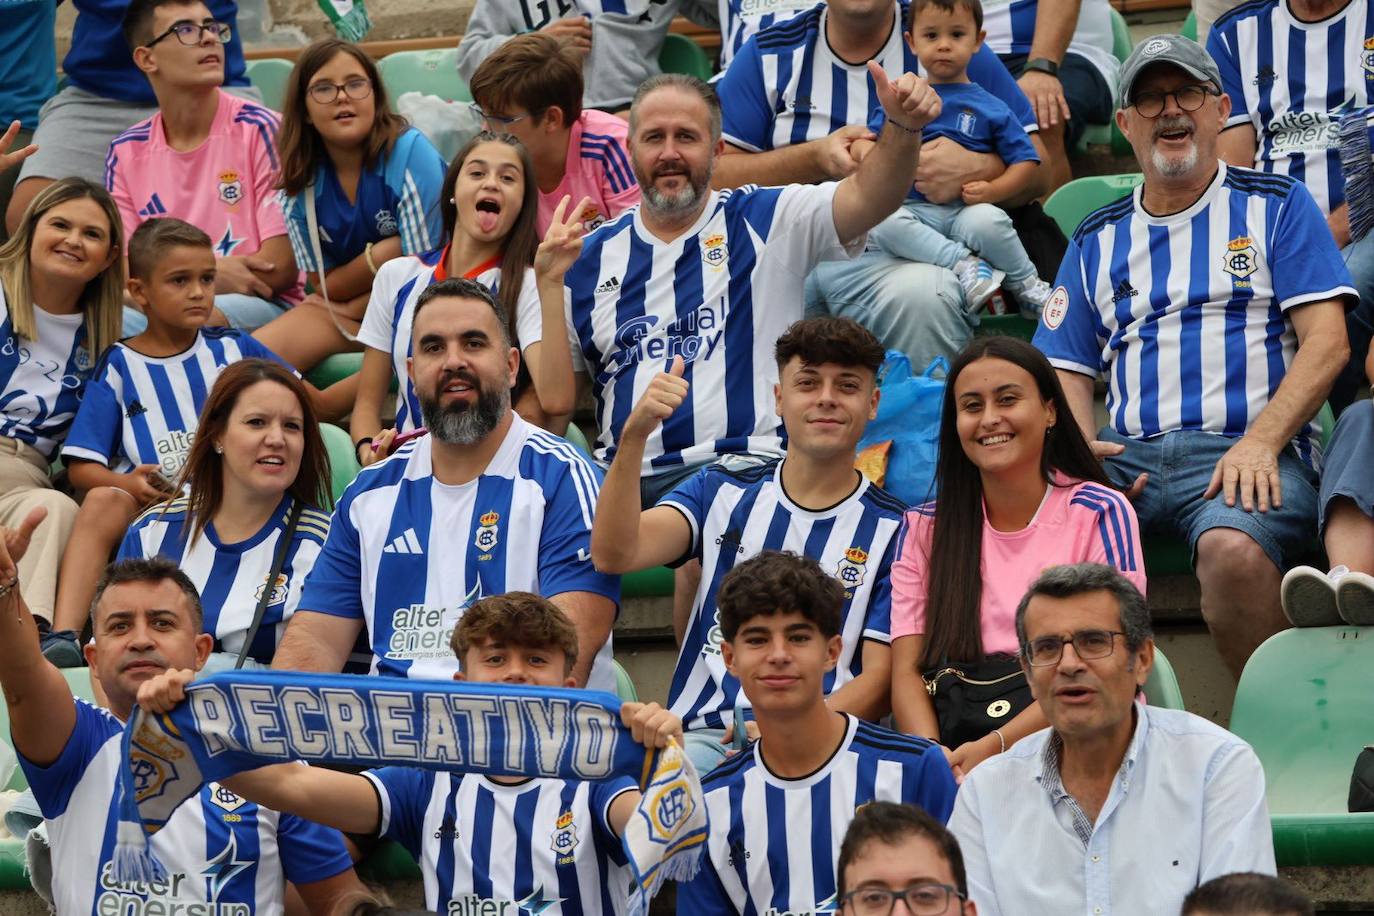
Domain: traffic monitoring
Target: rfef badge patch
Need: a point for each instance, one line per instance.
(1240, 259)
(714, 251)
(1056, 307)
(230, 188)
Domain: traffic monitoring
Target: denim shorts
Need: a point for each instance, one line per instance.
(1346, 470)
(1180, 466)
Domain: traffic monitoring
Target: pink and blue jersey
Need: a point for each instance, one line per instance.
(598, 168)
(226, 186)
(1076, 523)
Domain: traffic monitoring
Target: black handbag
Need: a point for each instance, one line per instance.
(1362, 781)
(973, 698)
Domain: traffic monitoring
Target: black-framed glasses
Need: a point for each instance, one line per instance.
(498, 121)
(189, 33)
(1150, 104)
(1047, 650)
(929, 899)
(325, 93)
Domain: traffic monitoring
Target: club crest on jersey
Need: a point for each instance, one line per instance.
(714, 251)
(1056, 307)
(563, 840)
(967, 121)
(278, 595)
(714, 637)
(225, 798)
(1240, 260)
(852, 567)
(590, 218)
(1367, 56)
(386, 223)
(485, 540)
(230, 188)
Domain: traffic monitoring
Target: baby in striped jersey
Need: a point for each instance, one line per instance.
(485, 844)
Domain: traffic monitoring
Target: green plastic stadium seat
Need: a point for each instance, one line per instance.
(1161, 689)
(578, 439)
(682, 55)
(388, 862)
(334, 368)
(343, 458)
(1010, 325)
(432, 72)
(269, 75)
(1108, 134)
(1303, 703)
(1189, 29)
(1075, 200)
(624, 687)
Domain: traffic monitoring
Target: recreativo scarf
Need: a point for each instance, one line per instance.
(241, 720)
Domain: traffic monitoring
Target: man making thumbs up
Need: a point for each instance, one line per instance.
(813, 502)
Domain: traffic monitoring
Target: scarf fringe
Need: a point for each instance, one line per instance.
(1359, 174)
(134, 860)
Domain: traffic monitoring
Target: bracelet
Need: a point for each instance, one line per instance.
(8, 587)
(367, 256)
(998, 733)
(365, 440)
(900, 126)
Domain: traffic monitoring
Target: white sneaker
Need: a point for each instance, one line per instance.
(979, 280)
(1032, 295)
(1309, 596)
(1355, 599)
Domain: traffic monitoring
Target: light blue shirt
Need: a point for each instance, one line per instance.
(1187, 806)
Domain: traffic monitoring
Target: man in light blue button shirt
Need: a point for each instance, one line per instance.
(1118, 807)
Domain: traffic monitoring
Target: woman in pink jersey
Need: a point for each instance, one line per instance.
(1019, 490)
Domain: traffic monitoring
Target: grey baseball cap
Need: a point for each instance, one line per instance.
(1183, 53)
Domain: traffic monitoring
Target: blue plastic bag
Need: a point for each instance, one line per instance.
(909, 417)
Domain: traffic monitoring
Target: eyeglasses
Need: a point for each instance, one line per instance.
(356, 89)
(189, 33)
(1047, 650)
(1150, 104)
(495, 120)
(921, 899)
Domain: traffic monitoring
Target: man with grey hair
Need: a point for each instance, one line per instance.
(1126, 807)
(1212, 301)
(483, 504)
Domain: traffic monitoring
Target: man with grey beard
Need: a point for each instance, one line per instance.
(484, 504)
(1212, 300)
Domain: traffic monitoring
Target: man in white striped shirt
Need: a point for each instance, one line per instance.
(1212, 300)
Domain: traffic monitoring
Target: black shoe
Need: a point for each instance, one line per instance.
(59, 646)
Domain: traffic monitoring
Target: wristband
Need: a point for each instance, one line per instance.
(1041, 65)
(998, 733)
(903, 127)
(367, 256)
(365, 440)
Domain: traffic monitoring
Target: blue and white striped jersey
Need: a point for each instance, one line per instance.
(734, 515)
(42, 380)
(785, 86)
(407, 554)
(540, 846)
(391, 314)
(398, 195)
(1186, 314)
(224, 855)
(719, 296)
(144, 409)
(1010, 25)
(1292, 81)
(740, 19)
(774, 841)
(231, 577)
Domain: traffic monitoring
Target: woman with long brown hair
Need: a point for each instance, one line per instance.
(257, 488)
(490, 210)
(61, 289)
(1019, 490)
(361, 187)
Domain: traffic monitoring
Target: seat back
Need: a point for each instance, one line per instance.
(269, 75)
(682, 55)
(1189, 29)
(1161, 688)
(624, 687)
(1121, 36)
(343, 458)
(433, 72)
(1305, 702)
(1069, 205)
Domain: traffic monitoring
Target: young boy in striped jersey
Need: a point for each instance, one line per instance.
(485, 844)
(812, 502)
(531, 87)
(779, 810)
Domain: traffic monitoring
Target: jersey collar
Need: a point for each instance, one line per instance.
(441, 268)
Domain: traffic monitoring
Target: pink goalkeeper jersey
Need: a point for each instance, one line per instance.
(598, 167)
(225, 186)
(1079, 523)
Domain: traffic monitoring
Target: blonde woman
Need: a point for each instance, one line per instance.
(61, 287)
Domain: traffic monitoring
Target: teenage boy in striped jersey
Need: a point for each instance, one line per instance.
(812, 502)
(779, 810)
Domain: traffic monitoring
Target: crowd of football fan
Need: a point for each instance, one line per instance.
(941, 706)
